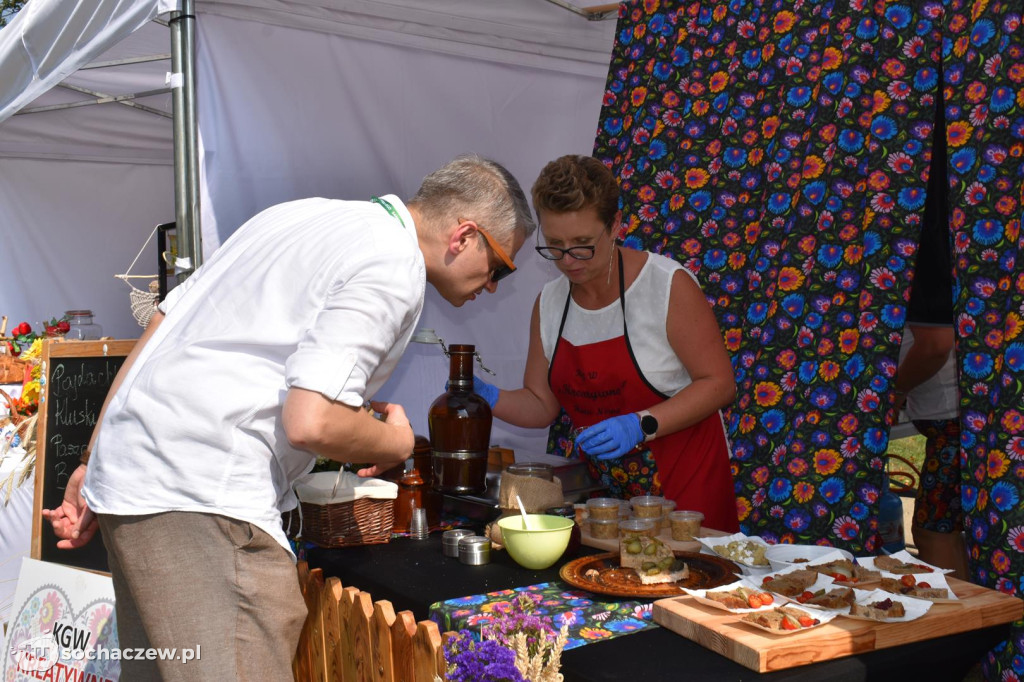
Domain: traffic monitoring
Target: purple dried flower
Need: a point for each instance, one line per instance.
(472, 661)
(538, 629)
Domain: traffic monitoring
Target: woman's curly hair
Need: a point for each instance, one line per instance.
(574, 183)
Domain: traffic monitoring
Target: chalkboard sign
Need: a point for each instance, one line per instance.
(78, 375)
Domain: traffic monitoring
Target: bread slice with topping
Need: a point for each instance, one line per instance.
(666, 570)
(790, 584)
(891, 565)
(845, 571)
(909, 586)
(886, 609)
(833, 599)
(782, 619)
(635, 550)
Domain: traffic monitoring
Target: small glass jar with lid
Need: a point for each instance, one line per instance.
(648, 507)
(81, 326)
(604, 509)
(638, 527)
(532, 469)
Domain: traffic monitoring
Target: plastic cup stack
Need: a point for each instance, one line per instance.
(418, 529)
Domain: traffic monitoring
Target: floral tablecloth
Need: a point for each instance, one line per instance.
(590, 619)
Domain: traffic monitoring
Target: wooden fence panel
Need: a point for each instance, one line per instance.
(383, 652)
(359, 622)
(348, 643)
(426, 648)
(332, 625)
(349, 638)
(317, 654)
(311, 584)
(401, 642)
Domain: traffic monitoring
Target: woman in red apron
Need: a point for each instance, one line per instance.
(690, 466)
(626, 343)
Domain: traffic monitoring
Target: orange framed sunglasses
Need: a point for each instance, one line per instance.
(508, 267)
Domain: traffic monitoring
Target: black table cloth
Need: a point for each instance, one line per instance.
(413, 574)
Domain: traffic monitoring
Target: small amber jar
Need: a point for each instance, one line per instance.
(410, 496)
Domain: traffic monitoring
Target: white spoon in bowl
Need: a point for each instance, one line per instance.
(522, 510)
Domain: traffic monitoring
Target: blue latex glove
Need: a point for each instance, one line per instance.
(611, 438)
(485, 391)
(482, 389)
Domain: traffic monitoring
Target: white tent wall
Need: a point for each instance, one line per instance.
(81, 188)
(68, 226)
(351, 104)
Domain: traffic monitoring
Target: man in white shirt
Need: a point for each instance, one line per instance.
(255, 365)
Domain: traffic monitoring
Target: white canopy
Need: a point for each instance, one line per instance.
(296, 98)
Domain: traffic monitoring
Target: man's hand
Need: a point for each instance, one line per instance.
(394, 415)
(73, 522)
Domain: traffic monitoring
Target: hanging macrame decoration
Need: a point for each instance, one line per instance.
(143, 302)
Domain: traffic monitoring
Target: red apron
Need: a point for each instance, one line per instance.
(600, 380)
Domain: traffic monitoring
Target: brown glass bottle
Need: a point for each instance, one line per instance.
(460, 429)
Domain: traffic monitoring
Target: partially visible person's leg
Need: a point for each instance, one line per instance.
(945, 550)
(130, 633)
(198, 580)
(938, 523)
(271, 608)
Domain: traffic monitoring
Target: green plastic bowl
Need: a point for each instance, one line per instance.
(539, 547)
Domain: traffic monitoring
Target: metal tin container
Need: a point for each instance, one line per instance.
(474, 550)
(450, 541)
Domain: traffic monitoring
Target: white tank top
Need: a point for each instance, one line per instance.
(647, 301)
(939, 396)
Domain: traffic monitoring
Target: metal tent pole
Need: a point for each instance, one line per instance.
(186, 145)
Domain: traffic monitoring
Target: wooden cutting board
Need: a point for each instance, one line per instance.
(722, 632)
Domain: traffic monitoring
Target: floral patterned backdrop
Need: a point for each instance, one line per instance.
(780, 150)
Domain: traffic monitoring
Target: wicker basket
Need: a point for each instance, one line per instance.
(12, 369)
(344, 510)
(365, 521)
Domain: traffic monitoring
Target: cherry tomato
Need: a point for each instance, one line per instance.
(839, 577)
(807, 621)
(908, 580)
(754, 601)
(788, 624)
(807, 594)
(924, 585)
(766, 599)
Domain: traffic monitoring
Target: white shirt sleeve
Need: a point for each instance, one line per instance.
(370, 306)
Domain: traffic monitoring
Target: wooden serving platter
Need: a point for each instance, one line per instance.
(720, 631)
(602, 574)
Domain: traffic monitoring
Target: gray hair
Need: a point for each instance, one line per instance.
(474, 188)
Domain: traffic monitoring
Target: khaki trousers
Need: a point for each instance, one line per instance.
(187, 580)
